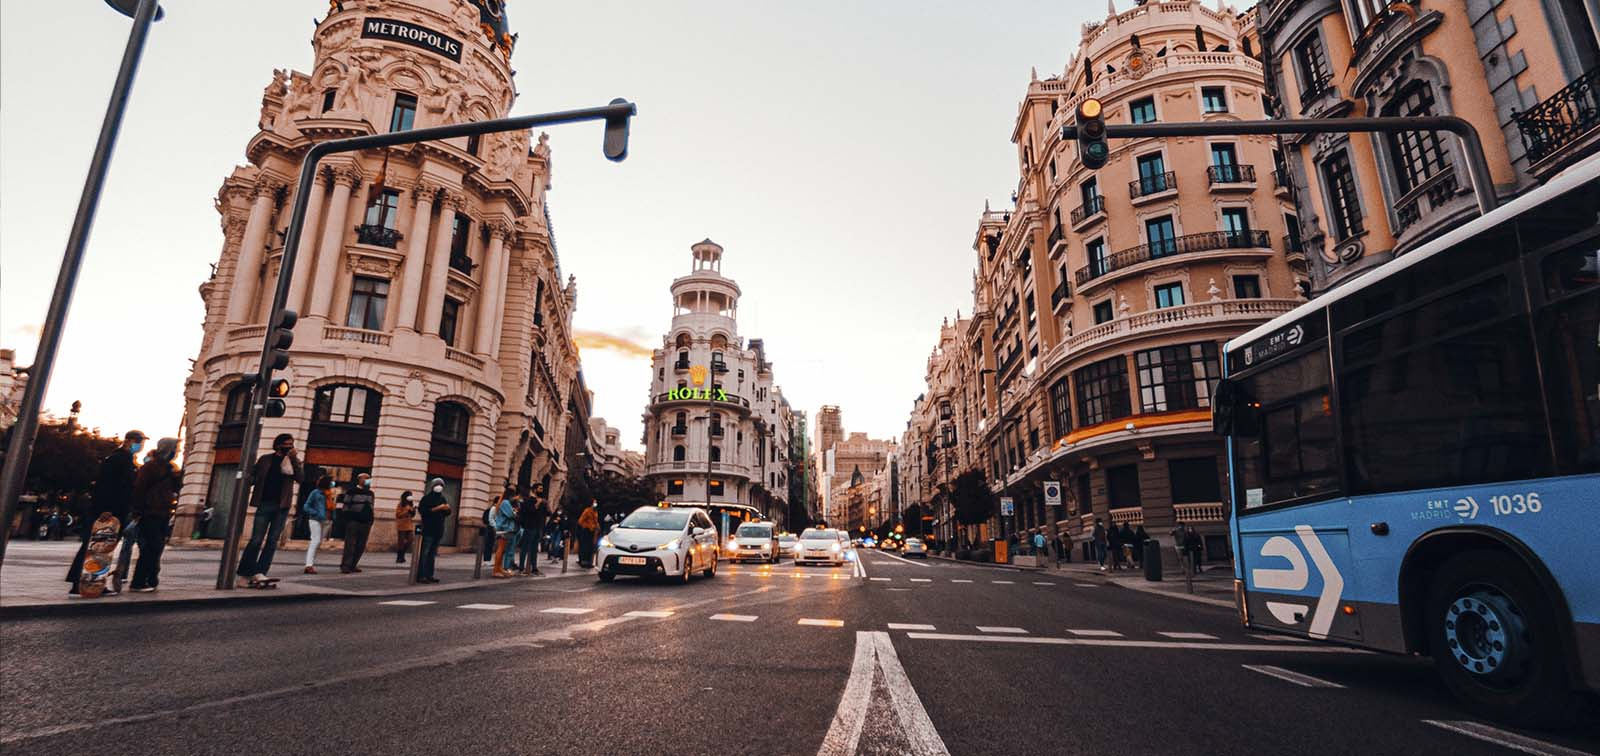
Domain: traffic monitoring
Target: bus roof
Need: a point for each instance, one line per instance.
(1561, 183)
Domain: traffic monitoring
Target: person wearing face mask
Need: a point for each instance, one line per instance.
(358, 505)
(435, 508)
(154, 490)
(274, 477)
(404, 526)
(315, 510)
(113, 490)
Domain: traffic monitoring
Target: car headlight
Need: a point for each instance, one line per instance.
(673, 544)
(605, 542)
(836, 547)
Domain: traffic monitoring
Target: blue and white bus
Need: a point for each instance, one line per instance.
(1415, 457)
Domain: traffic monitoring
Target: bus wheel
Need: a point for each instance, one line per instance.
(1494, 639)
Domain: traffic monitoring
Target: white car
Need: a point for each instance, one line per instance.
(754, 540)
(820, 545)
(916, 548)
(662, 542)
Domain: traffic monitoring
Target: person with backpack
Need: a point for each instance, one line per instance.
(315, 510)
(113, 491)
(1101, 541)
(504, 522)
(154, 490)
(358, 511)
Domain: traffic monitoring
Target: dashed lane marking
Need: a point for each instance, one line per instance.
(911, 626)
(406, 602)
(734, 617)
(1500, 737)
(1095, 633)
(565, 610)
(1004, 582)
(1086, 585)
(1188, 636)
(656, 615)
(1041, 582)
(1278, 638)
(1118, 643)
(1002, 630)
(956, 580)
(880, 580)
(921, 580)
(485, 607)
(821, 622)
(1302, 680)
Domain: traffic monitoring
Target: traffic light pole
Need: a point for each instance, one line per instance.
(616, 115)
(1471, 145)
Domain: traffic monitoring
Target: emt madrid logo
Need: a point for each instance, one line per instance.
(1296, 577)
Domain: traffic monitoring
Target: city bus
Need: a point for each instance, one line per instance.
(1414, 458)
(727, 518)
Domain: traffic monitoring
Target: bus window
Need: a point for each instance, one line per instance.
(1289, 455)
(1568, 328)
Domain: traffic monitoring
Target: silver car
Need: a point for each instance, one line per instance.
(914, 547)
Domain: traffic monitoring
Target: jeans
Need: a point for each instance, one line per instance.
(130, 536)
(509, 560)
(402, 544)
(355, 544)
(265, 528)
(316, 540)
(1100, 553)
(425, 558)
(152, 540)
(528, 551)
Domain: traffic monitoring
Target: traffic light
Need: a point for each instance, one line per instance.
(277, 390)
(1092, 147)
(281, 338)
(899, 528)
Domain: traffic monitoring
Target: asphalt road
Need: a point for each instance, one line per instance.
(907, 658)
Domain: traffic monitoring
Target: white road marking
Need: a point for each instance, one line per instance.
(1004, 582)
(881, 580)
(406, 602)
(955, 580)
(1304, 681)
(860, 566)
(921, 580)
(1278, 638)
(1187, 645)
(1007, 630)
(565, 610)
(734, 617)
(841, 577)
(1087, 585)
(821, 623)
(486, 607)
(1096, 633)
(1041, 582)
(903, 559)
(911, 626)
(657, 615)
(875, 652)
(1502, 738)
(1188, 636)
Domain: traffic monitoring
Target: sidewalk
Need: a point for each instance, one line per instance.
(1213, 585)
(32, 582)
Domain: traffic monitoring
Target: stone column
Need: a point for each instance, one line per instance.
(439, 264)
(345, 179)
(416, 246)
(500, 301)
(489, 289)
(245, 278)
(304, 256)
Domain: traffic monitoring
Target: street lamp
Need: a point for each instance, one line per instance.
(20, 453)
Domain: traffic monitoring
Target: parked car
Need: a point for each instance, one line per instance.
(660, 541)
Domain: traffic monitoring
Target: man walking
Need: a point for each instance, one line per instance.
(1100, 542)
(274, 477)
(404, 527)
(435, 508)
(531, 517)
(358, 506)
(154, 490)
(113, 490)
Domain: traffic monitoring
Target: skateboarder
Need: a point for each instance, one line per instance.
(274, 477)
(113, 489)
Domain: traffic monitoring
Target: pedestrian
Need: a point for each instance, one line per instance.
(274, 477)
(1063, 547)
(1177, 541)
(1192, 545)
(1101, 542)
(154, 491)
(435, 509)
(504, 522)
(315, 510)
(1038, 543)
(588, 535)
(202, 521)
(404, 526)
(486, 537)
(1140, 537)
(358, 511)
(1130, 545)
(112, 492)
(531, 518)
(1114, 545)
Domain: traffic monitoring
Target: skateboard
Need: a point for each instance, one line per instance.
(104, 535)
(260, 585)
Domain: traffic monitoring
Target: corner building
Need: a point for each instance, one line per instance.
(435, 331)
(717, 428)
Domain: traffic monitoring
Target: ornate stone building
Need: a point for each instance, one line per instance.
(435, 332)
(938, 443)
(1523, 72)
(717, 427)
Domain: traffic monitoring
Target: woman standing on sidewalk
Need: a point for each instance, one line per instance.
(404, 526)
(504, 521)
(315, 509)
(531, 518)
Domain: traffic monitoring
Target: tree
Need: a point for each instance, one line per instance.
(973, 500)
(618, 494)
(66, 456)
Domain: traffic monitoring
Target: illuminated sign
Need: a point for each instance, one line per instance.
(684, 392)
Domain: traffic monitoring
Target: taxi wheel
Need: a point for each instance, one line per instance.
(683, 575)
(606, 577)
(711, 571)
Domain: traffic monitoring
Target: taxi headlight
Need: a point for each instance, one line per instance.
(673, 544)
(835, 547)
(605, 542)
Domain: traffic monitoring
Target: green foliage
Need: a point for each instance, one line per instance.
(973, 500)
(618, 494)
(66, 456)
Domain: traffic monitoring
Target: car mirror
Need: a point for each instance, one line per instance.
(699, 531)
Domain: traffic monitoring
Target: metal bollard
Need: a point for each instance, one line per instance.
(416, 556)
(477, 555)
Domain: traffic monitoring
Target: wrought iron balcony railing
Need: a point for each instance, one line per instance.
(378, 236)
(461, 263)
(1182, 245)
(1095, 206)
(1058, 296)
(1563, 118)
(1231, 173)
(1056, 237)
(1152, 184)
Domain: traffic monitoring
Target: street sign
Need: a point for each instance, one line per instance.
(1052, 493)
(1006, 506)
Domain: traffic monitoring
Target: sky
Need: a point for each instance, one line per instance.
(841, 152)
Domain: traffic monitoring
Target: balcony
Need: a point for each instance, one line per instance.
(1146, 187)
(1315, 90)
(1281, 183)
(680, 365)
(1057, 296)
(1094, 209)
(1182, 245)
(1231, 176)
(1055, 239)
(378, 236)
(717, 431)
(1168, 318)
(679, 430)
(1200, 512)
(247, 333)
(1562, 124)
(719, 367)
(461, 263)
(355, 335)
(1427, 198)
(466, 358)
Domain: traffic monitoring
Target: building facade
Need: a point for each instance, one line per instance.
(435, 337)
(614, 459)
(1522, 72)
(716, 427)
(13, 383)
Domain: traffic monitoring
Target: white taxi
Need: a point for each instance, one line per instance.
(820, 545)
(670, 542)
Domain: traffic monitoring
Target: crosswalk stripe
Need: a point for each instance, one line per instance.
(910, 626)
(1302, 680)
(1003, 582)
(1278, 638)
(1096, 633)
(1005, 630)
(1188, 636)
(954, 580)
(405, 602)
(734, 617)
(1501, 737)
(821, 622)
(566, 610)
(486, 607)
(1041, 582)
(648, 614)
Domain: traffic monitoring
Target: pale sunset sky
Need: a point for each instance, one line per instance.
(841, 153)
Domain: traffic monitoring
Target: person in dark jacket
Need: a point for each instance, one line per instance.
(1130, 544)
(531, 517)
(405, 526)
(113, 490)
(435, 508)
(358, 510)
(154, 490)
(274, 477)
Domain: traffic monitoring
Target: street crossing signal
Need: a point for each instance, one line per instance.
(1092, 147)
(276, 392)
(281, 339)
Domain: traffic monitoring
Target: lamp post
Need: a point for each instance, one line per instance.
(20, 452)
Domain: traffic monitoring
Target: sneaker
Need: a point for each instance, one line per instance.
(146, 589)
(311, 570)
(355, 569)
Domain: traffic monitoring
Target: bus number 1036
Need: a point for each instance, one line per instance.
(1505, 504)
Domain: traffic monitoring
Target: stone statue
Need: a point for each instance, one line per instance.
(503, 157)
(354, 88)
(453, 100)
(300, 101)
(272, 99)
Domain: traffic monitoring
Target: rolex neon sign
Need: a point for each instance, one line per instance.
(697, 375)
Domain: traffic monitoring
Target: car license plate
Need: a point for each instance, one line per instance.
(630, 560)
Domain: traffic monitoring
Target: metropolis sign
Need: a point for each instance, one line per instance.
(411, 34)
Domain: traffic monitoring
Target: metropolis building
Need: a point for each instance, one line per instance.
(435, 328)
(716, 428)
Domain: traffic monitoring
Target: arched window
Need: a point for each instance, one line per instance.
(682, 341)
(237, 406)
(716, 454)
(346, 405)
(1417, 155)
(451, 424)
(718, 341)
(677, 453)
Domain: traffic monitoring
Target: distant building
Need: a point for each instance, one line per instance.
(12, 384)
